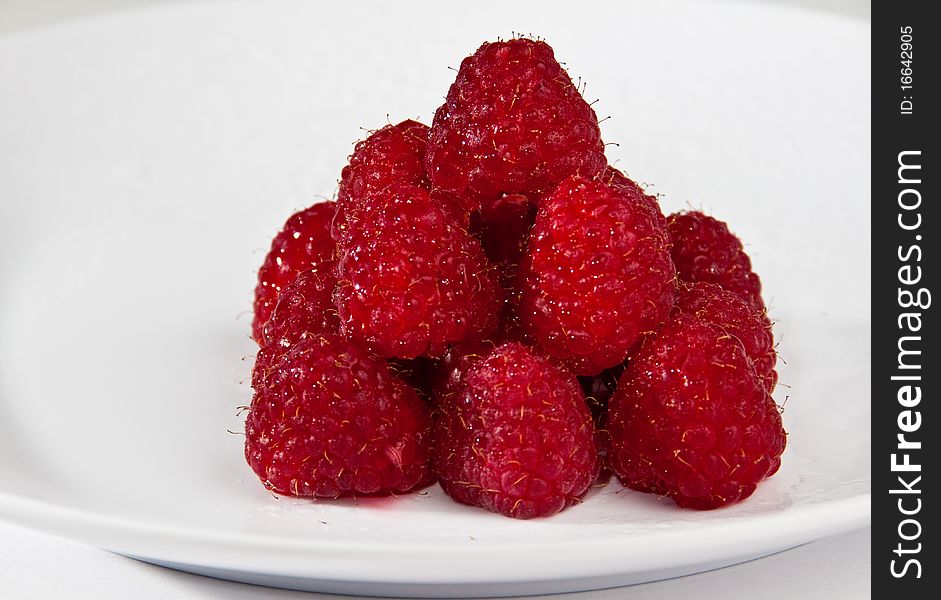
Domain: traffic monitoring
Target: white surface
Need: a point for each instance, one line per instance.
(127, 135)
(18, 15)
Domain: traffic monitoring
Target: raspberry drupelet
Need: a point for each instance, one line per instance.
(304, 306)
(615, 178)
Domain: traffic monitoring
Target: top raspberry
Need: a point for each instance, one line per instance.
(513, 123)
(705, 250)
(393, 154)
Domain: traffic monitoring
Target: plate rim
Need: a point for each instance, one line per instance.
(793, 525)
(742, 536)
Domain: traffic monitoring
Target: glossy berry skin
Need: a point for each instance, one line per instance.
(597, 275)
(303, 243)
(393, 154)
(514, 436)
(331, 420)
(710, 303)
(691, 420)
(513, 123)
(705, 250)
(412, 280)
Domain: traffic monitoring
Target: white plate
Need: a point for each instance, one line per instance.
(147, 158)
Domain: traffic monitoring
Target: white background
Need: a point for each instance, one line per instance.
(34, 565)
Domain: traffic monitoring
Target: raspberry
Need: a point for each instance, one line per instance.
(705, 250)
(692, 420)
(304, 306)
(512, 123)
(514, 436)
(712, 304)
(411, 279)
(597, 275)
(332, 421)
(303, 243)
(393, 154)
(615, 178)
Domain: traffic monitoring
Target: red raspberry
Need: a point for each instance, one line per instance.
(691, 419)
(597, 275)
(705, 250)
(512, 123)
(615, 178)
(393, 154)
(304, 306)
(712, 304)
(411, 279)
(330, 421)
(303, 243)
(515, 436)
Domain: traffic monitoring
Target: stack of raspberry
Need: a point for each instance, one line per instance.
(488, 303)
